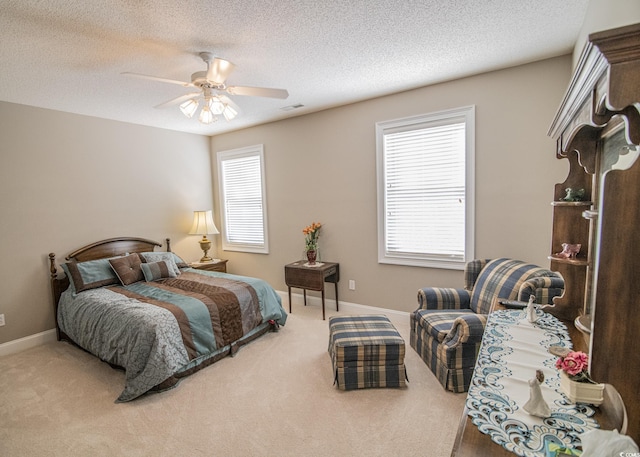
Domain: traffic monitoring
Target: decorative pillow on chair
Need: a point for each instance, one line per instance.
(127, 269)
(158, 270)
(90, 275)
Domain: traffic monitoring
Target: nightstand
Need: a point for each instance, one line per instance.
(217, 265)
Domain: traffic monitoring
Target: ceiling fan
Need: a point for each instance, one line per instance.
(212, 89)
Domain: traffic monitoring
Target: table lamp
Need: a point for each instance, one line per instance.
(203, 225)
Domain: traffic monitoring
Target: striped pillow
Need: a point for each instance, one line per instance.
(157, 270)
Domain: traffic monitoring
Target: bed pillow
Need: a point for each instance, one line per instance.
(178, 260)
(127, 269)
(90, 275)
(153, 271)
(149, 257)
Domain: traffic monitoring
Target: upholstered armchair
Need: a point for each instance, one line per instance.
(447, 328)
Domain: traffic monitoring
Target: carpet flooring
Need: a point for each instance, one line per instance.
(274, 398)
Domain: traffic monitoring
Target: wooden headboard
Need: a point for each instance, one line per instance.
(99, 250)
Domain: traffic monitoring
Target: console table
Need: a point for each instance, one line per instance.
(470, 441)
(307, 277)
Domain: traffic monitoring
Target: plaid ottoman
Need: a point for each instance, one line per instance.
(366, 351)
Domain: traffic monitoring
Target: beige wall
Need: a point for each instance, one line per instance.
(68, 180)
(322, 167)
(603, 15)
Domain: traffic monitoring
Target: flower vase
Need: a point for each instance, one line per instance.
(311, 256)
(581, 392)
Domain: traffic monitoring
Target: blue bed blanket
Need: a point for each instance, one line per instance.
(155, 330)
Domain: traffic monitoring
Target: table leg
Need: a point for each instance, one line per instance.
(304, 292)
(323, 303)
(336, 284)
(289, 299)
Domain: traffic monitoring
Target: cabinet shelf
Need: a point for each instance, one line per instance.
(563, 203)
(583, 324)
(577, 262)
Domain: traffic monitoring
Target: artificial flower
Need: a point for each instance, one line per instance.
(312, 232)
(575, 364)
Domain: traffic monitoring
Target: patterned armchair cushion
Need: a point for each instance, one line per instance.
(443, 298)
(504, 278)
(438, 324)
(465, 329)
(471, 271)
(544, 288)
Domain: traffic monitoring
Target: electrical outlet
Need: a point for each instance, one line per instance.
(1, 320)
(352, 284)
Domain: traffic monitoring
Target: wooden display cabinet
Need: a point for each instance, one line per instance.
(597, 129)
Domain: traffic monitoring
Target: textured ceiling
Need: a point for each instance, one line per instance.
(69, 55)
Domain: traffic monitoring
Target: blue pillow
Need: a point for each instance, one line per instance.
(91, 274)
(175, 261)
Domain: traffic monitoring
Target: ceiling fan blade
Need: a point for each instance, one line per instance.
(218, 70)
(156, 78)
(258, 91)
(178, 100)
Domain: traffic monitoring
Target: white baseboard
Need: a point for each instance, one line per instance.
(27, 342)
(347, 307)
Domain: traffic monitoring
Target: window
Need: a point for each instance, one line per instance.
(242, 200)
(425, 189)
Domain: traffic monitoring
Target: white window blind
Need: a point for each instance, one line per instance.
(242, 202)
(424, 171)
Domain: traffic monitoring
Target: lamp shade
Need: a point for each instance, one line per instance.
(203, 223)
(206, 116)
(229, 113)
(189, 107)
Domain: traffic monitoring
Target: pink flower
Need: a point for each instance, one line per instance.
(573, 363)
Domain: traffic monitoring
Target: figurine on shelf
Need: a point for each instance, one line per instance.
(531, 309)
(573, 195)
(569, 251)
(537, 406)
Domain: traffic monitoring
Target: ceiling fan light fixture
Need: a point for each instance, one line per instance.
(229, 113)
(189, 107)
(217, 107)
(211, 85)
(206, 116)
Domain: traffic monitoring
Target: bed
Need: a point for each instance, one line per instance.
(149, 313)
